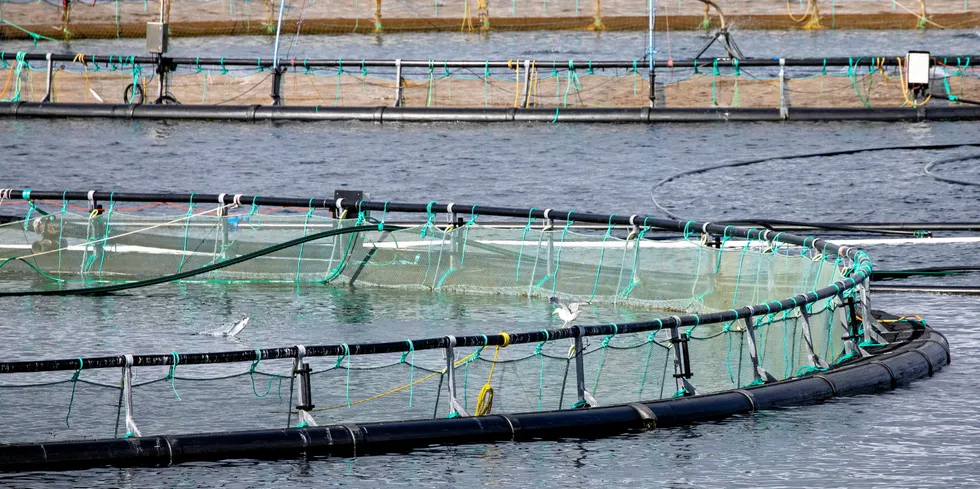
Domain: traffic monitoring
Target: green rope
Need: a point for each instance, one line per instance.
(411, 381)
(602, 357)
(173, 366)
(105, 236)
(520, 253)
(537, 352)
(187, 224)
(602, 252)
(636, 257)
(251, 375)
(74, 383)
(337, 365)
(18, 69)
(646, 364)
(34, 36)
(714, 85)
(253, 213)
(572, 81)
(486, 83)
(306, 222)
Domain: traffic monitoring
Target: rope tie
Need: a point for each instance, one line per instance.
(74, 383)
(428, 223)
(520, 253)
(337, 365)
(251, 375)
(173, 367)
(411, 383)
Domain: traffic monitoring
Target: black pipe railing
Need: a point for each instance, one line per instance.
(875, 61)
(859, 272)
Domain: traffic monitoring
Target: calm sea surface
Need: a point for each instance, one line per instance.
(923, 435)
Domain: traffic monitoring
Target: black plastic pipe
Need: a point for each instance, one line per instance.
(645, 115)
(296, 63)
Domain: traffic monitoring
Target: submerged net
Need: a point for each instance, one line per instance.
(723, 83)
(127, 18)
(57, 248)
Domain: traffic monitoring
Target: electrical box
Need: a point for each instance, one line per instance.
(917, 63)
(157, 37)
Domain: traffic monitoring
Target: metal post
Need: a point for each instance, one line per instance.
(871, 326)
(815, 360)
(398, 83)
(50, 79)
(303, 370)
(127, 385)
(682, 364)
(759, 373)
(275, 55)
(455, 409)
(849, 336)
(651, 52)
(162, 74)
(783, 97)
(276, 72)
(585, 398)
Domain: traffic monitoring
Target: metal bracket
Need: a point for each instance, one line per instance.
(303, 370)
(783, 96)
(585, 398)
(758, 371)
(50, 79)
(127, 393)
(682, 362)
(815, 360)
(398, 83)
(454, 405)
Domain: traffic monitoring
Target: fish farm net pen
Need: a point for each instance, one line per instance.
(558, 88)
(751, 320)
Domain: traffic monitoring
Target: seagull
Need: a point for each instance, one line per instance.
(569, 312)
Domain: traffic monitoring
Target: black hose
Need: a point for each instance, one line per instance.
(738, 163)
(955, 181)
(197, 271)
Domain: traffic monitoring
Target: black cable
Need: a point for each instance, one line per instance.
(738, 163)
(197, 271)
(878, 275)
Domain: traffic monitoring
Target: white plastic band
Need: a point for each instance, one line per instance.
(300, 352)
(129, 360)
(91, 198)
(547, 214)
(449, 208)
(452, 341)
(632, 219)
(238, 200)
(340, 204)
(677, 321)
(221, 199)
(704, 229)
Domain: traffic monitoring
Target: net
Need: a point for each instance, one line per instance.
(726, 320)
(127, 18)
(869, 82)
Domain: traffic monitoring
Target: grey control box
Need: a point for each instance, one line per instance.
(157, 34)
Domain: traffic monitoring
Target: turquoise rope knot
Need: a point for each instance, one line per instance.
(537, 349)
(428, 222)
(224, 71)
(411, 381)
(605, 341)
(175, 360)
(384, 213)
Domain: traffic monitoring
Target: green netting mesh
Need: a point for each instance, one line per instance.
(653, 274)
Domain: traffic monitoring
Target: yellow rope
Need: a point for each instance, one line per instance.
(905, 91)
(484, 401)
(802, 17)
(517, 81)
(399, 388)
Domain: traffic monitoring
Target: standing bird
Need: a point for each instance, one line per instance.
(567, 312)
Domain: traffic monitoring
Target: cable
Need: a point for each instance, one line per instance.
(878, 275)
(197, 271)
(738, 163)
(932, 165)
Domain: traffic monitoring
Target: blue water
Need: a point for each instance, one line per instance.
(920, 436)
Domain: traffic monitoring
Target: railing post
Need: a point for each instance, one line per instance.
(50, 79)
(303, 370)
(398, 83)
(127, 395)
(277, 85)
(870, 325)
(759, 373)
(845, 316)
(585, 399)
(455, 409)
(815, 360)
(682, 363)
(783, 96)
